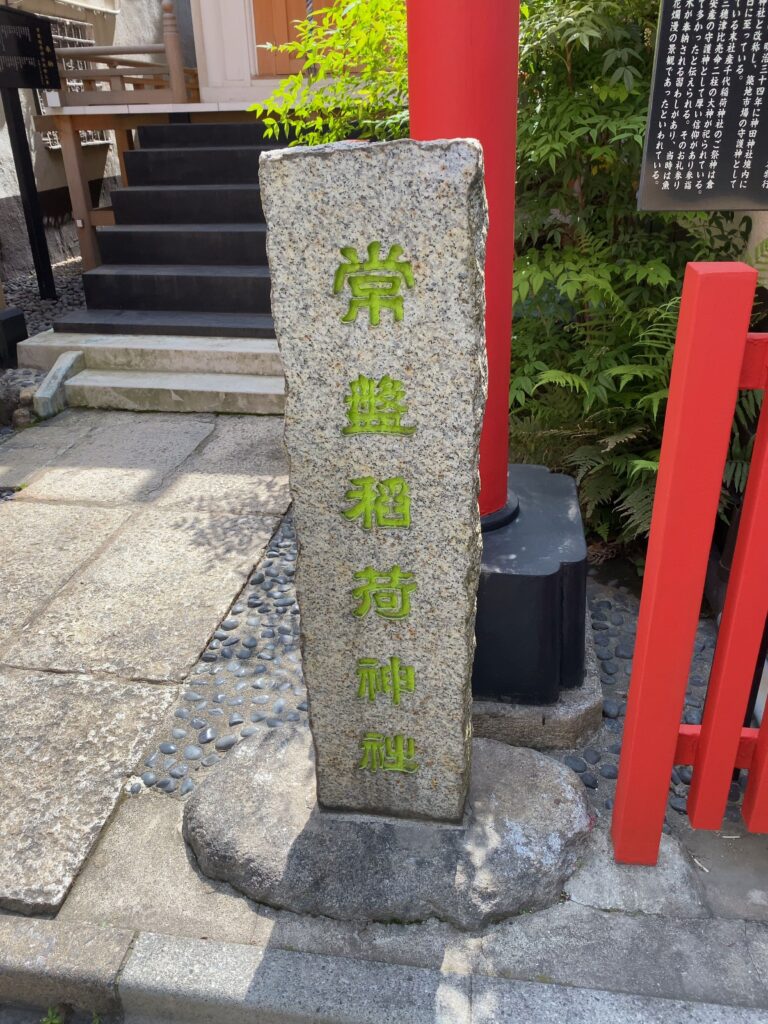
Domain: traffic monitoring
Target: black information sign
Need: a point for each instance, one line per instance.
(27, 57)
(27, 61)
(706, 147)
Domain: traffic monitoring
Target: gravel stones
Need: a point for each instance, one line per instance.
(219, 698)
(614, 614)
(526, 826)
(427, 199)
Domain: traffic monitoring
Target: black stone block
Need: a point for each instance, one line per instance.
(531, 602)
(13, 329)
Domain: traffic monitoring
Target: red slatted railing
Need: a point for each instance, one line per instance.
(714, 357)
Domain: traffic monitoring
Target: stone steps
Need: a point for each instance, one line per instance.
(175, 136)
(244, 289)
(187, 204)
(178, 315)
(147, 391)
(195, 165)
(201, 244)
(156, 353)
(167, 321)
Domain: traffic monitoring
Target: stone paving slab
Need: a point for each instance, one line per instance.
(123, 459)
(641, 954)
(732, 869)
(44, 964)
(164, 891)
(633, 953)
(42, 547)
(168, 979)
(670, 888)
(116, 889)
(30, 452)
(146, 607)
(504, 1002)
(71, 743)
(242, 469)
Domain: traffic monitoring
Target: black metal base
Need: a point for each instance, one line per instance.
(13, 329)
(505, 515)
(531, 602)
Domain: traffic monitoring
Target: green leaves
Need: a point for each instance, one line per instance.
(597, 284)
(355, 78)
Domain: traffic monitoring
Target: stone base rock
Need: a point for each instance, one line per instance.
(567, 724)
(256, 824)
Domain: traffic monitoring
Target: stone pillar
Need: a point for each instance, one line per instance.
(376, 252)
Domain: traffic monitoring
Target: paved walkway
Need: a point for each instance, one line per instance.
(126, 547)
(122, 550)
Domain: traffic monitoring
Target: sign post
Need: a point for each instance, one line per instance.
(27, 61)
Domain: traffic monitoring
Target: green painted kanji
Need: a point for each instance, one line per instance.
(387, 680)
(375, 283)
(386, 593)
(376, 407)
(385, 503)
(388, 753)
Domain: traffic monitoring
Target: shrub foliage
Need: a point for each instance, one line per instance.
(597, 283)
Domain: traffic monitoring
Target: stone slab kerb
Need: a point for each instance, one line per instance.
(427, 198)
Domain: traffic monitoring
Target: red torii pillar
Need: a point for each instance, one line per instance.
(462, 75)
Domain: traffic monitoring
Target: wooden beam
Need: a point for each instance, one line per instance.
(115, 97)
(100, 74)
(79, 191)
(94, 52)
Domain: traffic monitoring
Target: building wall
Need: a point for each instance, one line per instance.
(135, 21)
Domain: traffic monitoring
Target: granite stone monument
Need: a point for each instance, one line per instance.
(376, 252)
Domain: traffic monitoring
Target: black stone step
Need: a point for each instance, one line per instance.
(140, 321)
(209, 165)
(221, 244)
(205, 288)
(188, 204)
(176, 136)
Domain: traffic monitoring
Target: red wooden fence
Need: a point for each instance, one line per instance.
(714, 357)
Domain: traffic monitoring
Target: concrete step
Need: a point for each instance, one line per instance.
(222, 244)
(187, 204)
(138, 391)
(167, 321)
(175, 286)
(194, 165)
(157, 353)
(177, 136)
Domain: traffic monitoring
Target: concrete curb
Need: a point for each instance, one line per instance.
(50, 398)
(148, 978)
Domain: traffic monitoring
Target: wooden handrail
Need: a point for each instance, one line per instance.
(94, 52)
(96, 75)
(130, 80)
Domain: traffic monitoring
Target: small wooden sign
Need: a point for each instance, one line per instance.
(706, 146)
(27, 54)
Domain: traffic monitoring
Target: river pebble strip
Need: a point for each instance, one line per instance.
(614, 613)
(247, 680)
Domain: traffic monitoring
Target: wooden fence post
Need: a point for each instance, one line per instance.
(79, 191)
(173, 54)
